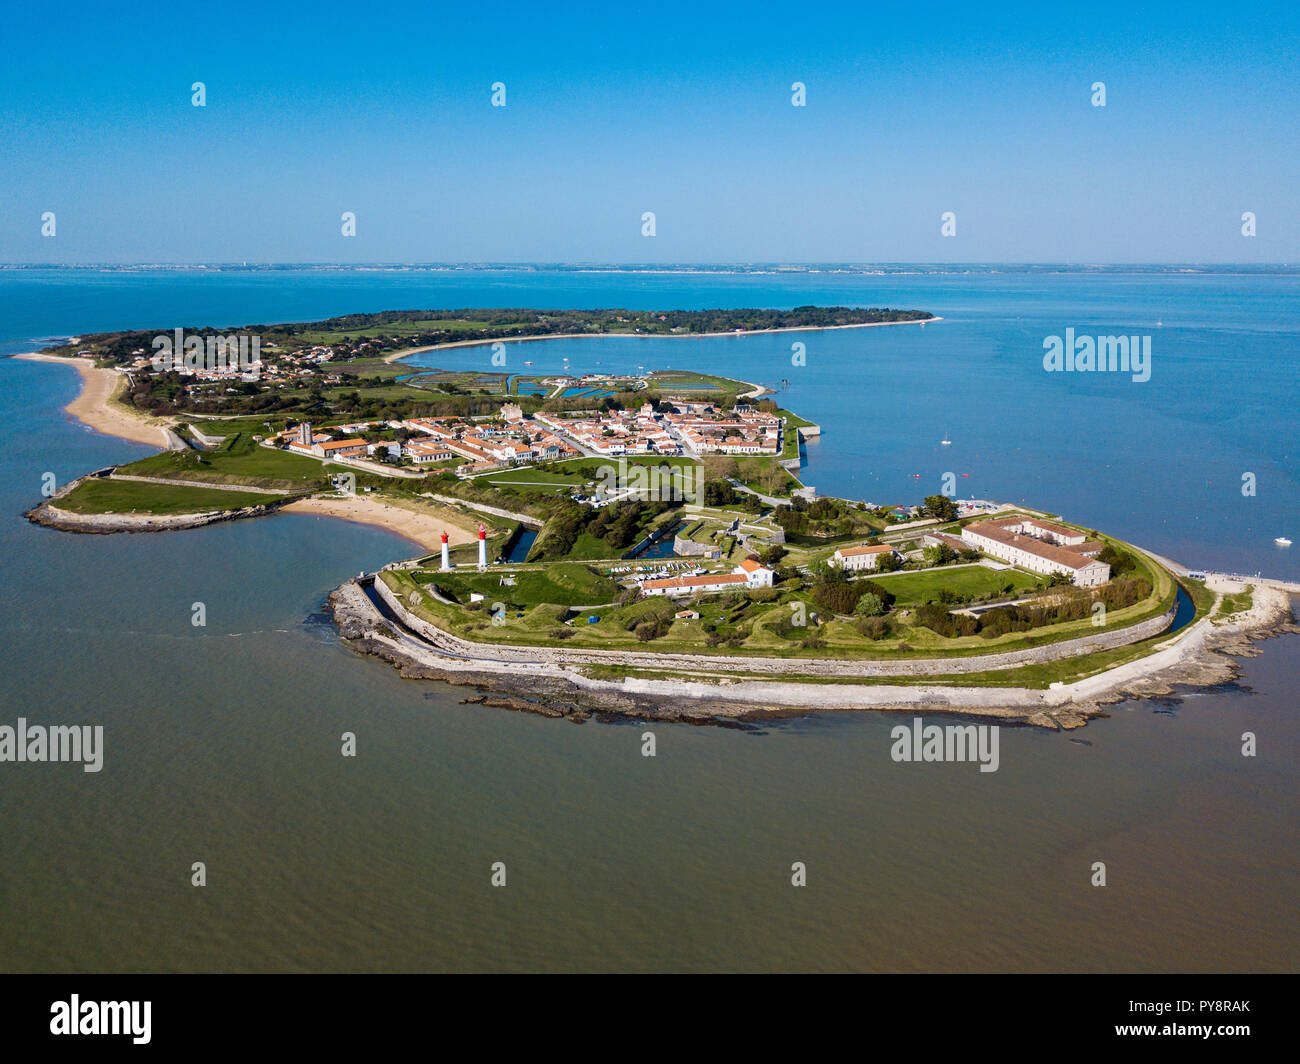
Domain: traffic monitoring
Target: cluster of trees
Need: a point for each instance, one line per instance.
(764, 473)
(619, 525)
(939, 506)
(842, 596)
(1120, 562)
(820, 519)
(1070, 604)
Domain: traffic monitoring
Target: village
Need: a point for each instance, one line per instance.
(486, 444)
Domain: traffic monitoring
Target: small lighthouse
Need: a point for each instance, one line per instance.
(482, 547)
(446, 562)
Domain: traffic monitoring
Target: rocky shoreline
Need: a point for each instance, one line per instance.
(1206, 653)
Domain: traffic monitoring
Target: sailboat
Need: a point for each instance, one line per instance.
(945, 441)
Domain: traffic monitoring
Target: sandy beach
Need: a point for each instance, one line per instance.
(95, 406)
(421, 523)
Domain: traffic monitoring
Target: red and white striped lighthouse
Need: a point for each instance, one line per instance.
(446, 562)
(482, 546)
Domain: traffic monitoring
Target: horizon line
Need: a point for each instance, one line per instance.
(778, 264)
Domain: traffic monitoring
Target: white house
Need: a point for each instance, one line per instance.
(756, 574)
(853, 558)
(425, 451)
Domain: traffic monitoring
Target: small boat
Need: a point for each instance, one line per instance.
(916, 476)
(1282, 541)
(945, 443)
(965, 474)
(527, 363)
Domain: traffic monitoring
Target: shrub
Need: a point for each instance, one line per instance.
(869, 605)
(873, 627)
(837, 597)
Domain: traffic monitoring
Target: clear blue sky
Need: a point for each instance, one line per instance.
(681, 109)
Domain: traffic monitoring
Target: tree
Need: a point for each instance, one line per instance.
(869, 605)
(939, 554)
(888, 562)
(940, 506)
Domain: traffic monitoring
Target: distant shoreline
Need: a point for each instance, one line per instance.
(96, 406)
(396, 355)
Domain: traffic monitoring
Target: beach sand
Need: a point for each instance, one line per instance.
(421, 523)
(95, 406)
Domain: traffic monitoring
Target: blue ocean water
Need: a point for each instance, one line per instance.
(223, 741)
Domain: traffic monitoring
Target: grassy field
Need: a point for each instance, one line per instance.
(1236, 603)
(239, 460)
(912, 589)
(580, 472)
(766, 628)
(682, 383)
(128, 497)
(560, 585)
(252, 426)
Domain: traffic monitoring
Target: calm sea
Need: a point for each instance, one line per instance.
(222, 742)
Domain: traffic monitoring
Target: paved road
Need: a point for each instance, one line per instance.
(766, 500)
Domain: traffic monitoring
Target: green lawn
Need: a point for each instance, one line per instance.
(579, 472)
(561, 585)
(128, 496)
(912, 589)
(766, 626)
(252, 426)
(239, 460)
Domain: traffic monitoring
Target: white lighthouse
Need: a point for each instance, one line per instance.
(482, 547)
(446, 562)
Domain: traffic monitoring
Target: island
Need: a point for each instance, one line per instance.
(640, 544)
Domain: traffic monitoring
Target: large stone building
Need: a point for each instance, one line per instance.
(1040, 547)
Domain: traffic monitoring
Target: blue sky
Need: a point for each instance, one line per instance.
(680, 109)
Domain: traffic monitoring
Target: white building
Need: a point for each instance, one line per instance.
(756, 574)
(422, 452)
(748, 575)
(852, 559)
(1040, 547)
